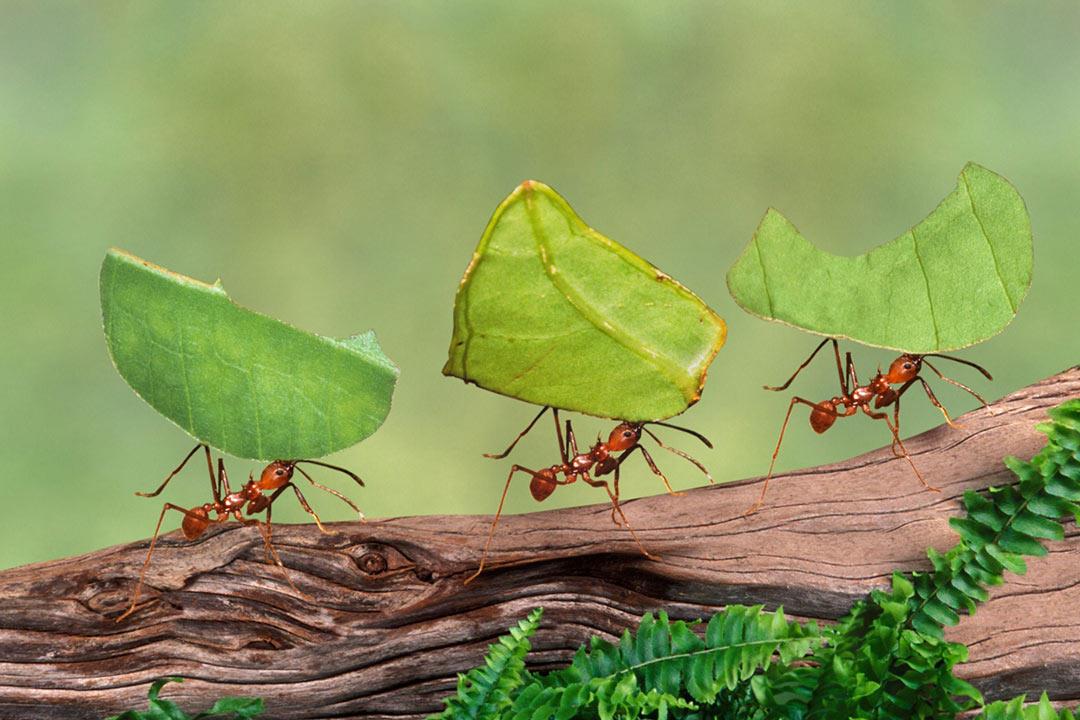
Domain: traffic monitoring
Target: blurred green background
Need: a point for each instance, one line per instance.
(335, 163)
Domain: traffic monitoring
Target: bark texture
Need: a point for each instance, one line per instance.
(388, 623)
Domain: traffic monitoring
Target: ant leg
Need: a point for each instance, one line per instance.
(266, 530)
(805, 363)
(761, 498)
(616, 508)
(332, 491)
(223, 480)
(962, 386)
(656, 471)
(521, 434)
(614, 521)
(652, 466)
(559, 435)
(209, 466)
(681, 454)
(571, 441)
(896, 414)
(937, 403)
(495, 522)
(304, 504)
(153, 542)
(849, 369)
(900, 443)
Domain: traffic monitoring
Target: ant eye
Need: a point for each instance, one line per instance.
(279, 471)
(907, 366)
(627, 434)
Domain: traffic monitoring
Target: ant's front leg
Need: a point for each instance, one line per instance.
(894, 398)
(936, 403)
(652, 466)
(174, 473)
(895, 430)
(267, 532)
(330, 490)
(617, 508)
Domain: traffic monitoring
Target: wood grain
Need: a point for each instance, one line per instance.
(388, 623)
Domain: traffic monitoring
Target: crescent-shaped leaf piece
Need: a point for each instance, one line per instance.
(554, 313)
(955, 279)
(247, 384)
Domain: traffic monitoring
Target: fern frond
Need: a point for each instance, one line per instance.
(889, 658)
(1016, 710)
(484, 692)
(665, 661)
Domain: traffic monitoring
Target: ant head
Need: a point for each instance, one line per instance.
(624, 436)
(276, 474)
(903, 368)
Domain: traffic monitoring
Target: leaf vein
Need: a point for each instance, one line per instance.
(993, 252)
(648, 354)
(926, 280)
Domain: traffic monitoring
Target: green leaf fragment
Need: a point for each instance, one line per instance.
(953, 280)
(247, 384)
(554, 313)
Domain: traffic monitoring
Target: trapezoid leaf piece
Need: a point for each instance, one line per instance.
(552, 312)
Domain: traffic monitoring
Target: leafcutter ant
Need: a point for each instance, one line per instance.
(853, 397)
(249, 499)
(603, 458)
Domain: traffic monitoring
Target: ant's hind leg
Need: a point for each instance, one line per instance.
(787, 418)
(153, 543)
(498, 514)
(174, 473)
(521, 434)
(778, 388)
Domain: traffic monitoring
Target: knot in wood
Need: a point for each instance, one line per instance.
(372, 563)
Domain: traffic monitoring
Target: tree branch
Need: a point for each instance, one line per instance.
(388, 622)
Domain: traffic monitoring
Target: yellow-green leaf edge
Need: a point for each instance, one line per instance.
(612, 395)
(265, 414)
(956, 290)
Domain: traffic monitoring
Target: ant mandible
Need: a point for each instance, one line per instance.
(603, 458)
(903, 371)
(249, 499)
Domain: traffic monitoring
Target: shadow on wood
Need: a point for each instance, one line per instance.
(389, 624)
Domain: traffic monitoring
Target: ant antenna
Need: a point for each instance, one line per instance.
(980, 368)
(342, 470)
(688, 431)
(680, 453)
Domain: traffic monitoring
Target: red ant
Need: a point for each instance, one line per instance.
(250, 499)
(605, 457)
(903, 371)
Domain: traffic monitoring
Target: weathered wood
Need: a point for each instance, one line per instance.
(388, 622)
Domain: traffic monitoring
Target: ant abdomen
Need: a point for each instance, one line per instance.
(542, 485)
(823, 416)
(195, 522)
